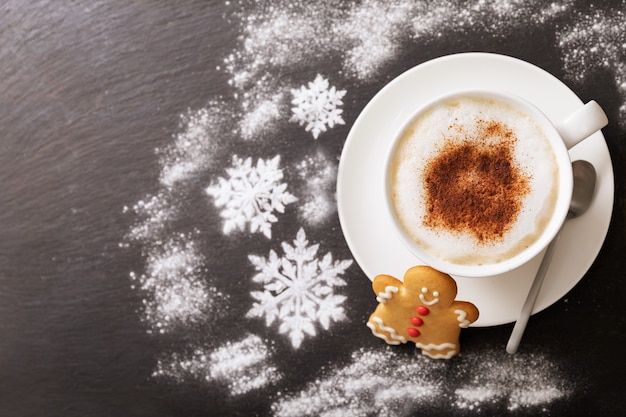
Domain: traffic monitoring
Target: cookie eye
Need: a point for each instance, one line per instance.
(436, 294)
(424, 290)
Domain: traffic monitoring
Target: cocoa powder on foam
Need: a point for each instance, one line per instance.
(474, 187)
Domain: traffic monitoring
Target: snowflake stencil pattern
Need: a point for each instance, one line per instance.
(316, 107)
(251, 194)
(299, 289)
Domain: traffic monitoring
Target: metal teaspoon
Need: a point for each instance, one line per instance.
(582, 195)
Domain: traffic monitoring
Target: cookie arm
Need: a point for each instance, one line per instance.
(385, 286)
(466, 313)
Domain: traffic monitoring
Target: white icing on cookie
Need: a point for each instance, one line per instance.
(463, 321)
(384, 296)
(448, 355)
(435, 300)
(432, 346)
(396, 339)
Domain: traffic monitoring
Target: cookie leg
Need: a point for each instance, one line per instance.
(442, 351)
(388, 334)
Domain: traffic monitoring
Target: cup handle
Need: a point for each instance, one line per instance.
(582, 123)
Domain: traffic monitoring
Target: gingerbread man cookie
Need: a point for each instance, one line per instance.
(422, 310)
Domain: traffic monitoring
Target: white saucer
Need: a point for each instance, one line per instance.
(367, 229)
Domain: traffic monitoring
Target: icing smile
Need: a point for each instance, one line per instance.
(434, 300)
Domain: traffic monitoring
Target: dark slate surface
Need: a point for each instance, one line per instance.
(110, 304)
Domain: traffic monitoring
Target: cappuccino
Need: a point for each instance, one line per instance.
(473, 180)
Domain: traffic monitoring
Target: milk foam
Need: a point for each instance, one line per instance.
(425, 137)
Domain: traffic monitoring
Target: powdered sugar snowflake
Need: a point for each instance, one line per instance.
(317, 106)
(251, 194)
(298, 289)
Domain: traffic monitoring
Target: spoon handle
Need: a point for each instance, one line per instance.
(520, 324)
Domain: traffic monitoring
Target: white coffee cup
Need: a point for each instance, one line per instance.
(559, 137)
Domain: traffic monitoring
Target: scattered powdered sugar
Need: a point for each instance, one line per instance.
(174, 285)
(193, 147)
(364, 35)
(277, 35)
(370, 34)
(263, 116)
(521, 381)
(154, 212)
(474, 397)
(289, 34)
(534, 397)
(375, 382)
(376, 31)
(241, 366)
(597, 41)
(496, 17)
(280, 38)
(318, 197)
(393, 383)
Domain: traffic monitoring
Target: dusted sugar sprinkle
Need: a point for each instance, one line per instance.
(174, 285)
(193, 147)
(154, 213)
(363, 36)
(278, 39)
(382, 382)
(522, 381)
(375, 382)
(263, 116)
(319, 174)
(496, 17)
(241, 366)
(597, 42)
(371, 34)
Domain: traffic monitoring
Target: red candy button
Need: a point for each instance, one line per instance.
(416, 321)
(422, 311)
(413, 332)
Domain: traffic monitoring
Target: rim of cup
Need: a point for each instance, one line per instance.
(565, 186)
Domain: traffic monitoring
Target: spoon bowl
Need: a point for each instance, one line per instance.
(584, 186)
(582, 196)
